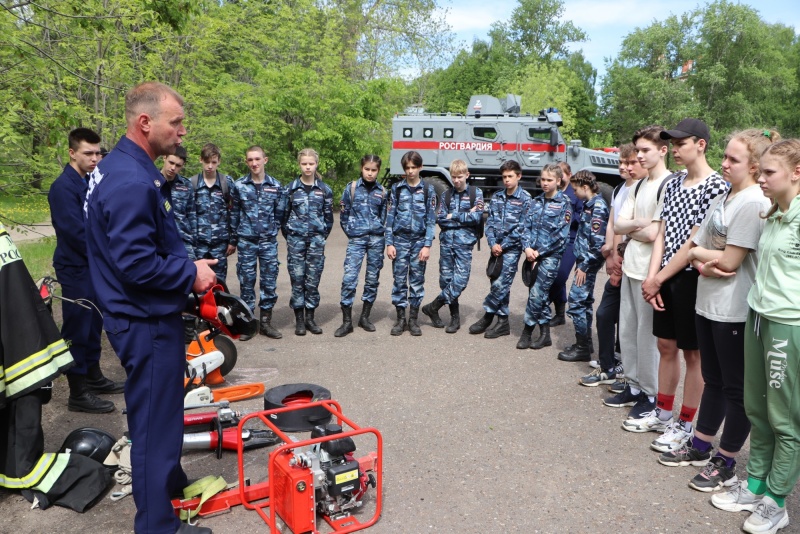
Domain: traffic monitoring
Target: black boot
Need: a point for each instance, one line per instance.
(400, 323)
(364, 321)
(482, 324)
(311, 326)
(455, 318)
(83, 400)
(558, 318)
(265, 327)
(544, 337)
(500, 328)
(581, 353)
(97, 383)
(186, 528)
(188, 329)
(300, 322)
(432, 311)
(413, 325)
(525, 339)
(347, 322)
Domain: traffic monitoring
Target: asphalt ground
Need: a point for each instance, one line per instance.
(478, 436)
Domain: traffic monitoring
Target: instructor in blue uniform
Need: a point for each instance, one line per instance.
(142, 277)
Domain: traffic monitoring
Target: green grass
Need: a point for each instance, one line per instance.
(28, 209)
(38, 256)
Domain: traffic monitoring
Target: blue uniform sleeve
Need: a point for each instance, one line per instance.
(133, 235)
(516, 236)
(327, 211)
(441, 213)
(430, 217)
(345, 205)
(597, 237)
(383, 207)
(236, 213)
(473, 218)
(491, 222)
(526, 239)
(66, 212)
(391, 213)
(190, 235)
(229, 209)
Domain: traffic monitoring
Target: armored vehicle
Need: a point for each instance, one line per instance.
(491, 132)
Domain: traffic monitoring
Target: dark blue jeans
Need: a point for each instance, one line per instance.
(607, 318)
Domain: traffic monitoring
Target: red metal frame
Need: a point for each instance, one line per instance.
(259, 496)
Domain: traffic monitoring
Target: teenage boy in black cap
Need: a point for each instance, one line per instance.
(671, 285)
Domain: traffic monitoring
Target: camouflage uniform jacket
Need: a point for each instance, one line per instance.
(463, 225)
(307, 214)
(213, 211)
(364, 213)
(409, 216)
(256, 211)
(547, 224)
(591, 234)
(504, 226)
(181, 193)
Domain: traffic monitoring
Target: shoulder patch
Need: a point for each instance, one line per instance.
(568, 216)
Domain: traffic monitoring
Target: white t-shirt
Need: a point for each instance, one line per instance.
(736, 221)
(618, 201)
(641, 204)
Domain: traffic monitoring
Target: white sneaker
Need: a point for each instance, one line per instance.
(768, 518)
(736, 499)
(673, 438)
(649, 422)
(593, 364)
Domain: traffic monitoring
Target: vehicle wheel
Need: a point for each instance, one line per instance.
(297, 395)
(226, 346)
(439, 184)
(607, 191)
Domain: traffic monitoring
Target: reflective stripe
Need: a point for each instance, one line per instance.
(37, 367)
(44, 474)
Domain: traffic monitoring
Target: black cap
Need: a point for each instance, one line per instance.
(494, 267)
(688, 128)
(530, 270)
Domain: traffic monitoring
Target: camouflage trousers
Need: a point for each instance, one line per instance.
(265, 253)
(372, 247)
(581, 304)
(214, 251)
(455, 263)
(537, 311)
(500, 290)
(409, 274)
(305, 260)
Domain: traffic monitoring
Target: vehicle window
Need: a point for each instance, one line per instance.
(485, 132)
(541, 135)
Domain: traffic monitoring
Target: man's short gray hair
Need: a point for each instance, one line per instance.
(147, 98)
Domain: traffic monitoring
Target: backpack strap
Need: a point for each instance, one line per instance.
(472, 194)
(448, 196)
(616, 191)
(353, 191)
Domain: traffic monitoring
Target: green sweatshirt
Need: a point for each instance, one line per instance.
(774, 295)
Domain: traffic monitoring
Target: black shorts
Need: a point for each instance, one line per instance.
(679, 294)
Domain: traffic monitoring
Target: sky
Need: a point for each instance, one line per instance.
(606, 22)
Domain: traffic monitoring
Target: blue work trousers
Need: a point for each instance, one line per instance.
(371, 246)
(455, 263)
(264, 253)
(409, 273)
(305, 260)
(607, 319)
(82, 327)
(500, 290)
(152, 353)
(214, 251)
(537, 311)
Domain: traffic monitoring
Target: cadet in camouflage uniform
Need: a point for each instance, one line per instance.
(255, 220)
(588, 242)
(181, 192)
(460, 216)
(362, 218)
(504, 230)
(308, 220)
(212, 203)
(546, 230)
(410, 227)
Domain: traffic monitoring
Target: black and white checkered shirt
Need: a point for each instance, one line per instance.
(684, 208)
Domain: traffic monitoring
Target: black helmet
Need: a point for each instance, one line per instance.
(90, 442)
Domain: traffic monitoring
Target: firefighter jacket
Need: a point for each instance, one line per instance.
(547, 224)
(504, 226)
(256, 209)
(307, 214)
(459, 224)
(363, 209)
(213, 208)
(591, 234)
(411, 213)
